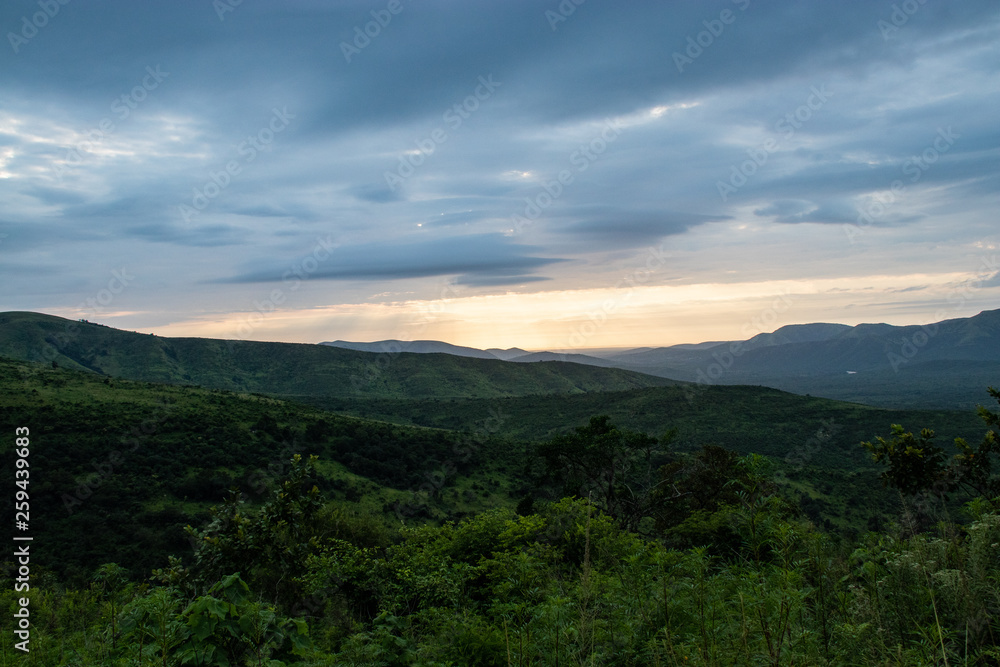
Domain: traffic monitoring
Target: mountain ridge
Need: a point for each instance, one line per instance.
(876, 363)
(301, 370)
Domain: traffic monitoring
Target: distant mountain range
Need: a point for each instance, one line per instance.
(944, 364)
(428, 347)
(438, 347)
(300, 371)
(823, 349)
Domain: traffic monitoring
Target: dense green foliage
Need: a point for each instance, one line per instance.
(565, 585)
(916, 464)
(121, 467)
(814, 441)
(746, 419)
(180, 448)
(625, 549)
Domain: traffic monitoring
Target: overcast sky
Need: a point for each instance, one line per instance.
(539, 174)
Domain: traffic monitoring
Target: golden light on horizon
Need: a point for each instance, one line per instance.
(640, 316)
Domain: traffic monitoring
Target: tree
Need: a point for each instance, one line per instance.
(227, 627)
(268, 546)
(615, 467)
(917, 465)
(111, 580)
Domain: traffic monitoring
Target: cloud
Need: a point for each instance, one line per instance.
(630, 227)
(481, 280)
(377, 194)
(484, 259)
(206, 236)
(356, 119)
(793, 211)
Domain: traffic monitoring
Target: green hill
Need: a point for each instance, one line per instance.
(743, 418)
(118, 468)
(815, 441)
(290, 369)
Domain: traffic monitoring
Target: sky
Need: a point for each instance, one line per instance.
(545, 174)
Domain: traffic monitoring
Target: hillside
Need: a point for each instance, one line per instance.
(743, 418)
(938, 365)
(815, 441)
(393, 346)
(118, 467)
(290, 369)
(122, 466)
(589, 360)
(416, 346)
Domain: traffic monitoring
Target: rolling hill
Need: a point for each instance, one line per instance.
(938, 365)
(415, 346)
(943, 364)
(302, 371)
(118, 467)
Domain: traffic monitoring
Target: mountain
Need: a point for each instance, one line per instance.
(559, 356)
(414, 346)
(797, 333)
(302, 371)
(681, 356)
(942, 364)
(683, 346)
(509, 354)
